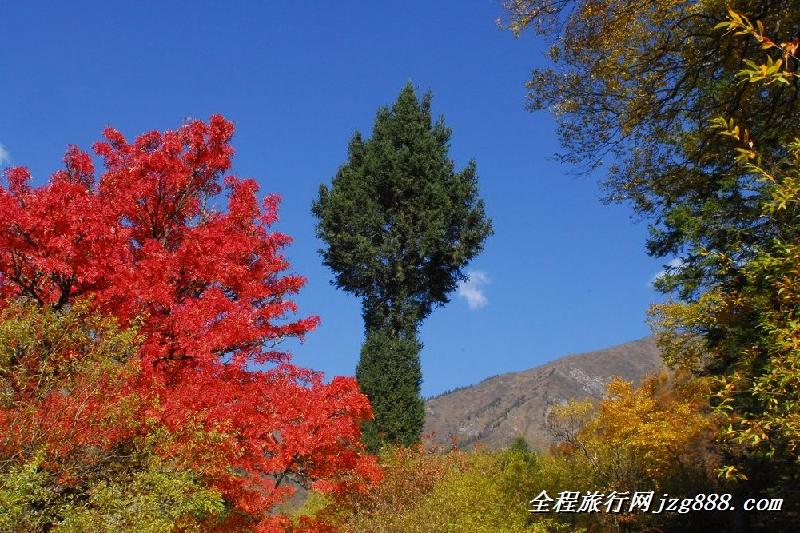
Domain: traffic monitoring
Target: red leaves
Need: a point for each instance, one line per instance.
(147, 242)
(18, 180)
(80, 168)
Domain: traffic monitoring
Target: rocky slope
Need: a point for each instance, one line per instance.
(496, 410)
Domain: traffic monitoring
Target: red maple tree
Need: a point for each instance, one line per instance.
(148, 243)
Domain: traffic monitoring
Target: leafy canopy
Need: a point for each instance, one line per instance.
(399, 222)
(756, 384)
(78, 452)
(633, 85)
(149, 242)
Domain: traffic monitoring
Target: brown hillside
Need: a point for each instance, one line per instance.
(496, 410)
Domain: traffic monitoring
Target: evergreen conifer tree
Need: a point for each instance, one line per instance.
(389, 374)
(400, 224)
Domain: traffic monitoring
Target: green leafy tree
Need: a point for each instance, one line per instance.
(633, 85)
(755, 366)
(400, 224)
(636, 86)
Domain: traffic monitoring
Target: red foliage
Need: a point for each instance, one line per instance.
(148, 242)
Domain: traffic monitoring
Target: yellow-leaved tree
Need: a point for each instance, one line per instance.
(745, 333)
(654, 437)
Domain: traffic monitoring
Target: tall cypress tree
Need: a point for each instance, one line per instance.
(400, 224)
(389, 373)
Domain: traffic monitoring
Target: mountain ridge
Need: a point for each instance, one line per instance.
(499, 408)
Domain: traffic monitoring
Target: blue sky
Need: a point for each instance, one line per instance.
(563, 272)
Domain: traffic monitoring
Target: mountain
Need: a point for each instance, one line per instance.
(500, 408)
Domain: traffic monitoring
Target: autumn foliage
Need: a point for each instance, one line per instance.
(656, 437)
(148, 243)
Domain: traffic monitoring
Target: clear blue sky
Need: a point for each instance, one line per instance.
(565, 273)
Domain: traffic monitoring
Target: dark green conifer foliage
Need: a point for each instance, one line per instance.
(400, 224)
(389, 374)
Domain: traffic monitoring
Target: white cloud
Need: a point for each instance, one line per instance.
(675, 263)
(472, 289)
(5, 157)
